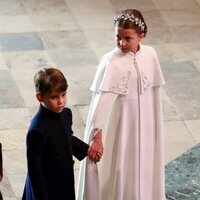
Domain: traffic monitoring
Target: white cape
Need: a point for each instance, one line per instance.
(127, 87)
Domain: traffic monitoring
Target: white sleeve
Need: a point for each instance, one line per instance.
(103, 107)
(100, 106)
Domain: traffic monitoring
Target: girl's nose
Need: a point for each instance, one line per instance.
(122, 43)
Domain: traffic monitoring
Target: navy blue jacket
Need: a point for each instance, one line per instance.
(50, 146)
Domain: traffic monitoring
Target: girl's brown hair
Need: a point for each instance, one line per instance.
(131, 19)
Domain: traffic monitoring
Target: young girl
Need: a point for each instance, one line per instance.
(126, 95)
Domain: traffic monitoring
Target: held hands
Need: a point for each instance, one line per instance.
(95, 150)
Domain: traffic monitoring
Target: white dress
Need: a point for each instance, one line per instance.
(132, 168)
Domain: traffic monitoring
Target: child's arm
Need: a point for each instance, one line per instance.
(79, 148)
(102, 109)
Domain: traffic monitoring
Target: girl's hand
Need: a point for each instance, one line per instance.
(95, 150)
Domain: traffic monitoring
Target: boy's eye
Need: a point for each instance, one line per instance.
(53, 97)
(64, 94)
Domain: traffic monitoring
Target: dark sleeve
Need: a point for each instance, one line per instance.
(79, 148)
(35, 152)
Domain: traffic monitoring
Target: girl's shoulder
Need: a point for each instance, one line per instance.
(147, 48)
(101, 70)
(107, 56)
(104, 61)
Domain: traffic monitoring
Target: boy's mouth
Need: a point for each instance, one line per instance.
(60, 108)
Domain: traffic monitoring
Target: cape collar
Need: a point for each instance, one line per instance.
(118, 51)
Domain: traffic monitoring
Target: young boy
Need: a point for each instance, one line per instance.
(50, 142)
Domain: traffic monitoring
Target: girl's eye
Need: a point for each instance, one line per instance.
(128, 38)
(118, 38)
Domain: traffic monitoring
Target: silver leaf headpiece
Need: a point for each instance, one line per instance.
(133, 19)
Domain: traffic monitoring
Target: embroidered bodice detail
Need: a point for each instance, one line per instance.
(123, 85)
(143, 81)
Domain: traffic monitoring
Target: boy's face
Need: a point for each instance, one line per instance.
(54, 101)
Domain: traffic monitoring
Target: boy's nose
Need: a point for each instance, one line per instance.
(60, 101)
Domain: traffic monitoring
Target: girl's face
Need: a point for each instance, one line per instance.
(54, 101)
(127, 39)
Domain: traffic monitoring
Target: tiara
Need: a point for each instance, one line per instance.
(131, 18)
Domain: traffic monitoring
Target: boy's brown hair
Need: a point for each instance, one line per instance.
(49, 79)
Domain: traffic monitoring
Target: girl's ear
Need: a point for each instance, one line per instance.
(38, 96)
(142, 36)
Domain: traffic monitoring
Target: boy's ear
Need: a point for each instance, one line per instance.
(38, 96)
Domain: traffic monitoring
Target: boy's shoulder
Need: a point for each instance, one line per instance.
(36, 122)
(67, 114)
(40, 123)
(67, 111)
